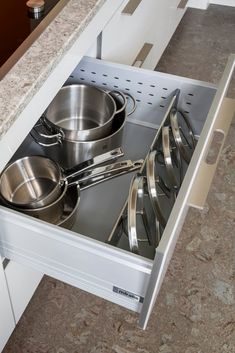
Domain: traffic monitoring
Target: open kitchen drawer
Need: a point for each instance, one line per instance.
(81, 256)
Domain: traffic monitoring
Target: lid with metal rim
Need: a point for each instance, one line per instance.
(172, 159)
(182, 136)
(152, 180)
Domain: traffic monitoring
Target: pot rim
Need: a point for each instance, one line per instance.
(75, 208)
(102, 138)
(83, 135)
(33, 204)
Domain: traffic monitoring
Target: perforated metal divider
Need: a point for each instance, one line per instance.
(151, 90)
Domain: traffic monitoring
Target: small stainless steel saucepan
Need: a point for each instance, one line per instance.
(62, 211)
(36, 181)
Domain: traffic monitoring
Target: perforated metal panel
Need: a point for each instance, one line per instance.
(151, 90)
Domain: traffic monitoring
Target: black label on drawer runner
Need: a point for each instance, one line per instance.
(128, 294)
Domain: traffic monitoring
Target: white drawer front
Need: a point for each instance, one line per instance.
(7, 322)
(153, 22)
(195, 186)
(74, 259)
(80, 257)
(22, 283)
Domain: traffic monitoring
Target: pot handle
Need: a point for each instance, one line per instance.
(136, 165)
(58, 135)
(96, 161)
(129, 96)
(106, 172)
(119, 93)
(125, 96)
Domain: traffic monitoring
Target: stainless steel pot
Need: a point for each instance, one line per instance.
(68, 215)
(69, 153)
(59, 212)
(82, 112)
(36, 181)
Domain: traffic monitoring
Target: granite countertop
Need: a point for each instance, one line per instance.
(27, 76)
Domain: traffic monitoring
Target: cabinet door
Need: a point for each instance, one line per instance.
(22, 283)
(140, 31)
(7, 322)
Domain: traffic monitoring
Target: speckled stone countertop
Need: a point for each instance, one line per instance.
(27, 76)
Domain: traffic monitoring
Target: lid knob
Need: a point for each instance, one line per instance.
(35, 5)
(35, 8)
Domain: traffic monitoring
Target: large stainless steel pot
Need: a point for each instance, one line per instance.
(83, 112)
(68, 153)
(37, 181)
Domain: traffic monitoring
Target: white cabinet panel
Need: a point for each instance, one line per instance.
(152, 22)
(203, 4)
(198, 4)
(22, 282)
(7, 322)
(223, 2)
(165, 20)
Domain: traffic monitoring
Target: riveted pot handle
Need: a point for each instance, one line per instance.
(125, 96)
(129, 96)
(40, 135)
(124, 103)
(50, 136)
(101, 173)
(96, 161)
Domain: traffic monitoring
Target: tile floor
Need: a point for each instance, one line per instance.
(195, 311)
